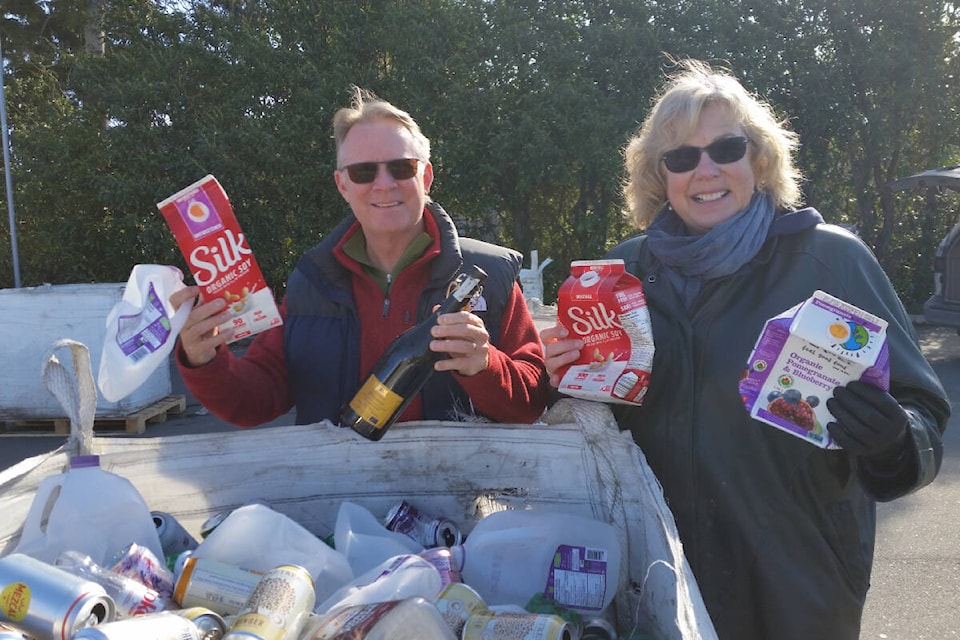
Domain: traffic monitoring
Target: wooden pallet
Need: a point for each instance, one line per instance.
(134, 423)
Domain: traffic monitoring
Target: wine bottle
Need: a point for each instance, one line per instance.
(404, 367)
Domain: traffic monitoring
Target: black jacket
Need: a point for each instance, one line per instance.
(779, 532)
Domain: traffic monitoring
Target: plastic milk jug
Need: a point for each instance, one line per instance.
(510, 556)
(90, 510)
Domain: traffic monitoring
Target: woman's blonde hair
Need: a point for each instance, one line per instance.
(675, 116)
(365, 106)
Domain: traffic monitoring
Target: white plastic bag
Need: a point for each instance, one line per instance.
(141, 329)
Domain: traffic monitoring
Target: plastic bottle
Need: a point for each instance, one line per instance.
(133, 598)
(398, 578)
(411, 619)
(90, 510)
(510, 556)
(403, 369)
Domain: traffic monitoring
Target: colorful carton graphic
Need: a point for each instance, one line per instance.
(604, 306)
(803, 354)
(219, 256)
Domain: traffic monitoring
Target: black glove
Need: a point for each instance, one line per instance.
(869, 421)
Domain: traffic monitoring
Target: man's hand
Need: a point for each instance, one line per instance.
(200, 336)
(559, 350)
(869, 421)
(463, 336)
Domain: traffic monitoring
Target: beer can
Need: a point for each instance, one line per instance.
(456, 603)
(428, 531)
(155, 626)
(43, 601)
(220, 587)
(598, 629)
(210, 623)
(6, 633)
(173, 537)
(138, 562)
(278, 607)
(442, 559)
(213, 522)
(482, 625)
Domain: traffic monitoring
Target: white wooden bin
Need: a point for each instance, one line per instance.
(31, 318)
(578, 462)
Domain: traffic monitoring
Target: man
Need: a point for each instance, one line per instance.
(378, 273)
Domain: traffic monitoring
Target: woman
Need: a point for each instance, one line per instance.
(779, 532)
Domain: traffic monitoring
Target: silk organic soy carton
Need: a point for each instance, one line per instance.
(803, 354)
(604, 306)
(219, 257)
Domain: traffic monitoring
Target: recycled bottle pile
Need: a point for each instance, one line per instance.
(86, 570)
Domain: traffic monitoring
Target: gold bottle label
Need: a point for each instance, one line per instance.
(375, 402)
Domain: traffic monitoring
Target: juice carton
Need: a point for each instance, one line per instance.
(803, 354)
(604, 306)
(219, 257)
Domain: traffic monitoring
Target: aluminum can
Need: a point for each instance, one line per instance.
(43, 601)
(210, 623)
(279, 606)
(442, 559)
(488, 625)
(213, 522)
(138, 562)
(149, 626)
(456, 603)
(223, 588)
(173, 537)
(6, 633)
(428, 531)
(598, 629)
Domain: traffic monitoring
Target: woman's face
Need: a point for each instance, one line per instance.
(711, 193)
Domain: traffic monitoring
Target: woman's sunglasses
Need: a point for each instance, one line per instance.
(723, 151)
(366, 172)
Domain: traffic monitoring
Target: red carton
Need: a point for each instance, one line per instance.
(219, 257)
(604, 306)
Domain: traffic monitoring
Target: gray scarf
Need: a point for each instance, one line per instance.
(691, 260)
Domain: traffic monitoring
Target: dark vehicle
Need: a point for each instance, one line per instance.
(943, 307)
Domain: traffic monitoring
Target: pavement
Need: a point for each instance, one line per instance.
(915, 592)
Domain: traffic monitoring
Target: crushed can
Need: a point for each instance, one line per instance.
(428, 531)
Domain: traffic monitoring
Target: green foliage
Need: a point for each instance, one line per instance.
(528, 105)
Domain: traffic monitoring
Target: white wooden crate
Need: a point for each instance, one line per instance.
(33, 318)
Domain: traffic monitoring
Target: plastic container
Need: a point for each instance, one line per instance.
(365, 541)
(141, 329)
(511, 556)
(396, 579)
(90, 510)
(257, 537)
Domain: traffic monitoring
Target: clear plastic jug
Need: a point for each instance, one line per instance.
(90, 510)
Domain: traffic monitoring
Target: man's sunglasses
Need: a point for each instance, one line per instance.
(366, 172)
(723, 151)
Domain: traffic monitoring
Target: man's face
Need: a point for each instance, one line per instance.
(387, 208)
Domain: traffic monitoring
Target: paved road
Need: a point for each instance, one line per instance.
(916, 577)
(915, 592)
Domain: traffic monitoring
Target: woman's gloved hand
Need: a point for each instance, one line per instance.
(869, 421)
